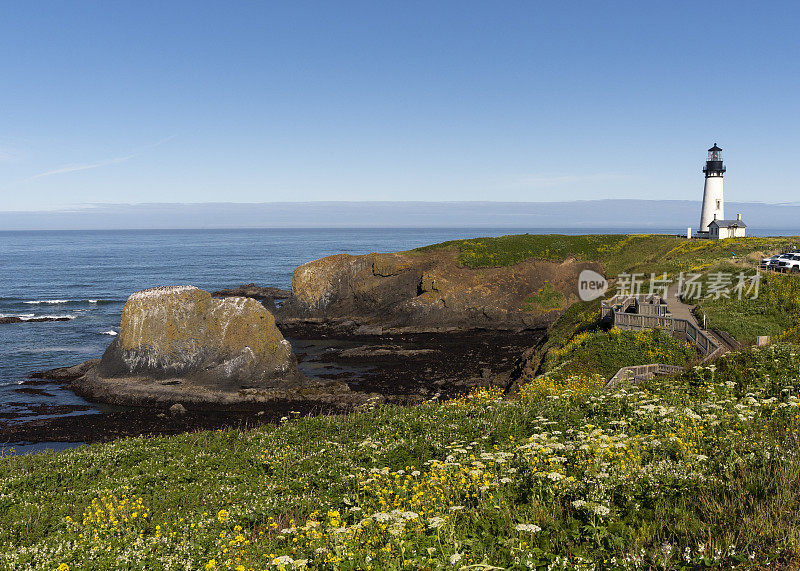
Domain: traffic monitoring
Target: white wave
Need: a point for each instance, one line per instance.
(93, 300)
(20, 315)
(109, 332)
(47, 301)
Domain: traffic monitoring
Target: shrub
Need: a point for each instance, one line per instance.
(605, 352)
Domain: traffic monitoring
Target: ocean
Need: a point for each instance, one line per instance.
(86, 276)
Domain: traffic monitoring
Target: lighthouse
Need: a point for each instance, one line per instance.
(713, 200)
(712, 219)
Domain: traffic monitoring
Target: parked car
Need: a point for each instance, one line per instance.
(773, 263)
(767, 262)
(790, 264)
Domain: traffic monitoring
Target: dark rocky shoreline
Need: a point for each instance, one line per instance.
(403, 368)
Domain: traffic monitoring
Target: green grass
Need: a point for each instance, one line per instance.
(577, 343)
(698, 255)
(744, 319)
(576, 318)
(547, 298)
(771, 310)
(617, 252)
(696, 471)
(606, 352)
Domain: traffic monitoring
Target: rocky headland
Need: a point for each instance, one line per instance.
(400, 327)
(430, 292)
(413, 324)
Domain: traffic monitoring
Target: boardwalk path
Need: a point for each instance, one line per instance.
(681, 310)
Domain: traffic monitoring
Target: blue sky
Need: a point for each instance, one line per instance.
(107, 102)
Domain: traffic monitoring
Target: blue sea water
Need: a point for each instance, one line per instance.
(87, 276)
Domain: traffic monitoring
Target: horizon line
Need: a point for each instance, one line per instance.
(89, 206)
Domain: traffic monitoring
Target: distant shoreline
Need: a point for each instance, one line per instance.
(477, 231)
(585, 215)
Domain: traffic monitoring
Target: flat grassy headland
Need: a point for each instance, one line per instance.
(774, 312)
(618, 252)
(697, 470)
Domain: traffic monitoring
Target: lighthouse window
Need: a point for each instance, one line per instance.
(719, 204)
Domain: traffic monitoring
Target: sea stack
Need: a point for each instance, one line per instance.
(182, 331)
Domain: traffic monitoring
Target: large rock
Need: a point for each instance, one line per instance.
(181, 331)
(181, 345)
(428, 292)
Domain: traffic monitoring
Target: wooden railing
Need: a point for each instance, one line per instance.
(642, 372)
(614, 309)
(650, 303)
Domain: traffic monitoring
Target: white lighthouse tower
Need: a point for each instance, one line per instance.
(713, 200)
(712, 220)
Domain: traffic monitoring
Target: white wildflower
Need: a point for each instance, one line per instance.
(528, 527)
(397, 529)
(601, 510)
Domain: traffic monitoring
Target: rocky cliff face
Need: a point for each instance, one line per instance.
(181, 331)
(429, 292)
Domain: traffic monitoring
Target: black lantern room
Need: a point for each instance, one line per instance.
(714, 166)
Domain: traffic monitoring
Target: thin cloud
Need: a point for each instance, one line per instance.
(76, 168)
(82, 167)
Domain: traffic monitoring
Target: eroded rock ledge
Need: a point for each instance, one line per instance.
(427, 292)
(270, 297)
